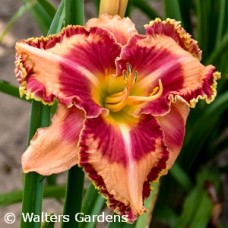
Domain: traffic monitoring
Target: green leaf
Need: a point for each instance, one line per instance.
(74, 14)
(144, 220)
(181, 177)
(33, 184)
(207, 25)
(186, 9)
(9, 89)
(89, 199)
(172, 9)
(198, 205)
(145, 7)
(164, 213)
(33, 187)
(16, 196)
(43, 12)
(48, 7)
(74, 195)
(218, 51)
(199, 133)
(221, 20)
(49, 223)
(22, 10)
(99, 204)
(57, 22)
(92, 204)
(97, 4)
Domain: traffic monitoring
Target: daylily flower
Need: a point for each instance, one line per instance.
(123, 100)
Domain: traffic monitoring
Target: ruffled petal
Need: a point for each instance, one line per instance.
(160, 57)
(121, 28)
(122, 159)
(172, 28)
(68, 66)
(173, 127)
(55, 149)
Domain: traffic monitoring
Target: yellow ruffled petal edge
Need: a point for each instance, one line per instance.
(173, 29)
(216, 76)
(192, 103)
(121, 159)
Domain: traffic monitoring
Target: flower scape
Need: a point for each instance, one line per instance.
(123, 100)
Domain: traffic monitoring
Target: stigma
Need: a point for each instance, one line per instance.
(117, 101)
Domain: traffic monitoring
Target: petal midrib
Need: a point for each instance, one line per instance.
(135, 196)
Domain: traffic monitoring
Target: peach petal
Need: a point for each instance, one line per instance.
(54, 149)
(173, 127)
(68, 66)
(121, 159)
(162, 58)
(172, 28)
(121, 28)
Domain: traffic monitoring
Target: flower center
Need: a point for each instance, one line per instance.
(116, 101)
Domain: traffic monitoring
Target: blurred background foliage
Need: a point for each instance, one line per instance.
(195, 192)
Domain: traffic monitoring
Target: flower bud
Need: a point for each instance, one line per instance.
(113, 7)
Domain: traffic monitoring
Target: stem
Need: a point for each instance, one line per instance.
(45, 117)
(14, 197)
(9, 89)
(32, 198)
(33, 182)
(89, 199)
(74, 14)
(99, 204)
(172, 9)
(74, 194)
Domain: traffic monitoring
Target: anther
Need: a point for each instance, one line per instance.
(125, 74)
(129, 68)
(135, 76)
(115, 102)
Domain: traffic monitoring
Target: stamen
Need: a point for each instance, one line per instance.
(125, 74)
(156, 93)
(116, 97)
(135, 76)
(115, 102)
(129, 69)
